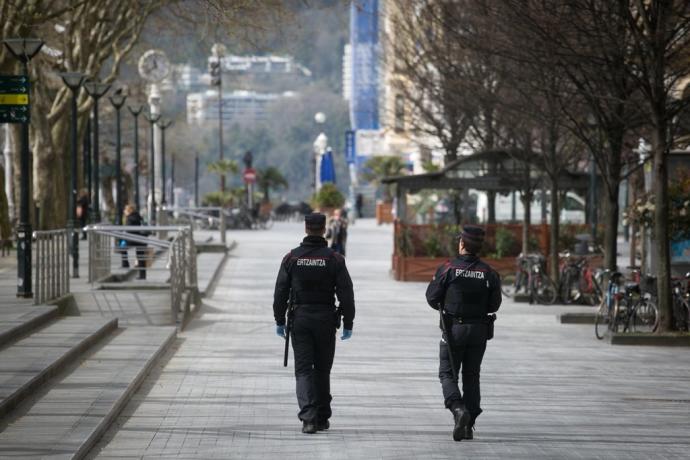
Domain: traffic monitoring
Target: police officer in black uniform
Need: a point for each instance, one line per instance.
(309, 277)
(467, 290)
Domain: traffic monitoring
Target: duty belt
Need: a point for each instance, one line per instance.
(461, 320)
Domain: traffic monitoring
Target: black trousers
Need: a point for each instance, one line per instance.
(469, 343)
(313, 343)
(140, 256)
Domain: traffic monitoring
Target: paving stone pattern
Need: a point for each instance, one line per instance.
(549, 390)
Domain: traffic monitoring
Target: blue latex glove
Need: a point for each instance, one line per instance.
(280, 331)
(347, 333)
(123, 243)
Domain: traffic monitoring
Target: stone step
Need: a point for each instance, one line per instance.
(209, 265)
(29, 362)
(69, 419)
(577, 318)
(132, 308)
(18, 320)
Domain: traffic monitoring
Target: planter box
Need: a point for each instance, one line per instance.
(423, 268)
(384, 213)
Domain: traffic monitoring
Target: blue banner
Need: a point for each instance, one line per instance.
(350, 152)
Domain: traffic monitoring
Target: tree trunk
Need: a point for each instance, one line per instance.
(554, 231)
(662, 235)
(491, 207)
(611, 230)
(526, 198)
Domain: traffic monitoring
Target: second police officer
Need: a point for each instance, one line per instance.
(467, 291)
(310, 277)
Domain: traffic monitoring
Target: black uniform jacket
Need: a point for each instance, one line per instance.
(134, 219)
(314, 273)
(466, 287)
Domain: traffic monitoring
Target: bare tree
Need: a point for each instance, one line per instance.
(660, 38)
(93, 37)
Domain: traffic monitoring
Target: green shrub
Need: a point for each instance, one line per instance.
(328, 197)
(433, 247)
(506, 243)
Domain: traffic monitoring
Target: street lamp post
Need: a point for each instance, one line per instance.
(136, 111)
(320, 145)
(96, 90)
(86, 163)
(24, 49)
(152, 119)
(73, 80)
(172, 180)
(196, 180)
(118, 100)
(163, 124)
(218, 51)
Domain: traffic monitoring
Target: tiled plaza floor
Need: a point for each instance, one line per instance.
(549, 390)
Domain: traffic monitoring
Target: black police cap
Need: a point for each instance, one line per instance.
(473, 234)
(315, 220)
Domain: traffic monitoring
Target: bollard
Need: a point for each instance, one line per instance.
(222, 225)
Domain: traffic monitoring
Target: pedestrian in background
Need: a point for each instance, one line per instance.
(337, 232)
(83, 210)
(466, 291)
(309, 279)
(134, 219)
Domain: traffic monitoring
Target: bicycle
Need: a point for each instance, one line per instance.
(531, 278)
(681, 302)
(632, 310)
(577, 281)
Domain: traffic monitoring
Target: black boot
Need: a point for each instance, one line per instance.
(467, 432)
(308, 427)
(322, 425)
(462, 422)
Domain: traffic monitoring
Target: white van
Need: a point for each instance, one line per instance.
(572, 208)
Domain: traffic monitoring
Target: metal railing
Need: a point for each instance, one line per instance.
(183, 273)
(204, 217)
(176, 266)
(51, 265)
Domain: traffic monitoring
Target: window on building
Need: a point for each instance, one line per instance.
(399, 113)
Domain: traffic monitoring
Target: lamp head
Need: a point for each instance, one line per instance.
(73, 80)
(96, 89)
(135, 109)
(23, 49)
(118, 99)
(165, 123)
(152, 118)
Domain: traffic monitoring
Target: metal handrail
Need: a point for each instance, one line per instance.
(180, 262)
(51, 272)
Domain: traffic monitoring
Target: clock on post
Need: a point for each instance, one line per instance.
(154, 66)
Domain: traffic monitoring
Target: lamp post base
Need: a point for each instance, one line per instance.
(74, 232)
(24, 261)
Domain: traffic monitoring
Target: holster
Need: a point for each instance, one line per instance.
(338, 315)
(490, 326)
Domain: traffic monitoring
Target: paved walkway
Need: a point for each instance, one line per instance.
(549, 390)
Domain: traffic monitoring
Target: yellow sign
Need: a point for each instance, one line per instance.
(14, 99)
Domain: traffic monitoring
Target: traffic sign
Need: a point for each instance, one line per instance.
(14, 99)
(249, 176)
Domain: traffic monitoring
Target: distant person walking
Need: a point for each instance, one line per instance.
(83, 210)
(359, 204)
(337, 232)
(133, 218)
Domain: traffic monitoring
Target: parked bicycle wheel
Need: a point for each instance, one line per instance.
(508, 285)
(545, 290)
(601, 322)
(645, 318)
